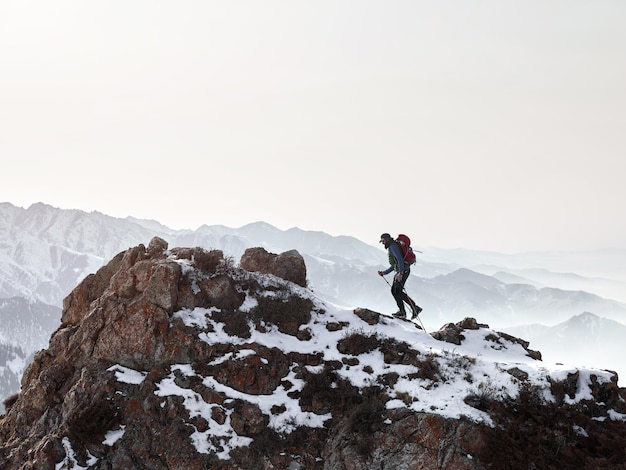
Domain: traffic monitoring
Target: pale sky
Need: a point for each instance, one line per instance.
(497, 125)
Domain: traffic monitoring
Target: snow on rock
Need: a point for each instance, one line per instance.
(179, 359)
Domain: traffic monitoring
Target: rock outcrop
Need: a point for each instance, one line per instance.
(288, 265)
(178, 359)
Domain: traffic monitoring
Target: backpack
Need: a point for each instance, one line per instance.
(407, 251)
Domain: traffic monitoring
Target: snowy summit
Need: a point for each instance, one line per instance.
(178, 358)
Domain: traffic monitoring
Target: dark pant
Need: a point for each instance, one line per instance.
(397, 290)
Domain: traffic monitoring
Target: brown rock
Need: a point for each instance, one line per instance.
(156, 248)
(368, 316)
(220, 291)
(133, 312)
(247, 419)
(288, 265)
(450, 333)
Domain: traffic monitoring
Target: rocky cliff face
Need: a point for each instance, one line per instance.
(179, 359)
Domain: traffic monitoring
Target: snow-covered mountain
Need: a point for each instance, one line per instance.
(584, 340)
(507, 304)
(13, 361)
(25, 327)
(194, 363)
(27, 324)
(45, 252)
(607, 288)
(598, 265)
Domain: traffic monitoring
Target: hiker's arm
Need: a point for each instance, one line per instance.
(396, 251)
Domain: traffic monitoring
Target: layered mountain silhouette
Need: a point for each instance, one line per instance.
(172, 358)
(570, 341)
(45, 252)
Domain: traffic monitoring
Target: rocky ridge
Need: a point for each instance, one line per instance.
(180, 359)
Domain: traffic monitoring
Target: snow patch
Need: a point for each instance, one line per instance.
(70, 462)
(111, 437)
(126, 375)
(196, 317)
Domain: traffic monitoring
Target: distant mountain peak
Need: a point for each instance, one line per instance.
(260, 225)
(587, 315)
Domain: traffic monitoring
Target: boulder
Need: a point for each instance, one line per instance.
(288, 265)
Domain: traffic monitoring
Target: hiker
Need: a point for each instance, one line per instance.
(402, 271)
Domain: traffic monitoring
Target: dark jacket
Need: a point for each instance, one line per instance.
(396, 259)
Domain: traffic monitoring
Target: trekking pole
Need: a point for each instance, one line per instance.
(413, 305)
(417, 316)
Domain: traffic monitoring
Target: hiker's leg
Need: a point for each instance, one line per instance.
(402, 293)
(416, 309)
(398, 295)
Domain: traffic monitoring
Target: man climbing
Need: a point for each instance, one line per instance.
(402, 270)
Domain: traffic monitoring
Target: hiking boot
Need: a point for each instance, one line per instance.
(416, 311)
(399, 314)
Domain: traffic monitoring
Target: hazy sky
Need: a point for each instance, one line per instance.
(495, 125)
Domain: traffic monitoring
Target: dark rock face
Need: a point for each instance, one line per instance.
(412, 441)
(177, 359)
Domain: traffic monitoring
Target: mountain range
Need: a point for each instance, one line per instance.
(578, 341)
(179, 358)
(45, 252)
